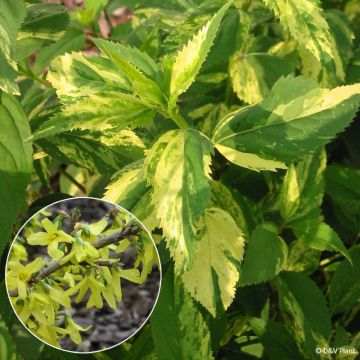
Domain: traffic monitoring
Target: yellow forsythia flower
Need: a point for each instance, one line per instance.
(34, 305)
(90, 234)
(81, 250)
(52, 237)
(73, 330)
(59, 295)
(19, 275)
(48, 333)
(93, 230)
(95, 285)
(18, 252)
(146, 257)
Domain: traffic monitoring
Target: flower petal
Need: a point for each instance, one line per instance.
(75, 336)
(64, 237)
(91, 251)
(25, 312)
(131, 275)
(98, 227)
(116, 285)
(60, 296)
(40, 238)
(83, 289)
(48, 226)
(39, 297)
(80, 253)
(38, 314)
(109, 297)
(50, 313)
(96, 296)
(74, 289)
(22, 289)
(123, 245)
(35, 266)
(53, 250)
(11, 282)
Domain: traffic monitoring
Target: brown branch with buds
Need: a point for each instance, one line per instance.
(128, 230)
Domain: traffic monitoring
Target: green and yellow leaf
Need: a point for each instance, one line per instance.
(128, 186)
(11, 16)
(177, 324)
(75, 76)
(44, 21)
(188, 61)
(306, 23)
(303, 188)
(253, 75)
(214, 271)
(101, 113)
(295, 120)
(139, 69)
(310, 323)
(320, 236)
(344, 288)
(177, 167)
(104, 153)
(277, 341)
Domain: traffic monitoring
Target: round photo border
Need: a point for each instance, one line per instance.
(143, 227)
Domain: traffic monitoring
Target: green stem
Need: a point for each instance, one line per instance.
(179, 120)
(28, 72)
(350, 315)
(228, 92)
(73, 180)
(330, 260)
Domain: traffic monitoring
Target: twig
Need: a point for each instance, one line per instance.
(127, 231)
(73, 180)
(103, 262)
(330, 260)
(74, 218)
(28, 72)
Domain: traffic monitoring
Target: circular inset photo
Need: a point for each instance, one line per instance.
(83, 275)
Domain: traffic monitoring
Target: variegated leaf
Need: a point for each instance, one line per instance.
(214, 271)
(344, 288)
(296, 119)
(102, 113)
(140, 70)
(304, 305)
(253, 75)
(320, 236)
(306, 23)
(178, 328)
(222, 197)
(177, 167)
(129, 189)
(11, 16)
(44, 21)
(303, 188)
(75, 76)
(190, 58)
(104, 153)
